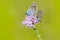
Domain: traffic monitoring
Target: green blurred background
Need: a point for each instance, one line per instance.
(12, 14)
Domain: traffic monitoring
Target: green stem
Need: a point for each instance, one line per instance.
(37, 33)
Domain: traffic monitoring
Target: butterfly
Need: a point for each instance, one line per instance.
(30, 18)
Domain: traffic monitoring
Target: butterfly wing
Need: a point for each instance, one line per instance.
(39, 15)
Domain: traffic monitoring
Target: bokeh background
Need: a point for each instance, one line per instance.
(12, 14)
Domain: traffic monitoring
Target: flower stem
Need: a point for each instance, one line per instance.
(37, 33)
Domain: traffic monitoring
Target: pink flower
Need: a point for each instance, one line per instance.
(26, 22)
(29, 21)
